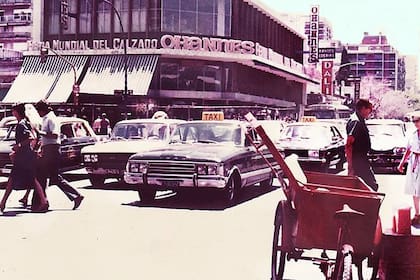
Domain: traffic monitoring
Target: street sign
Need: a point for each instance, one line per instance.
(326, 53)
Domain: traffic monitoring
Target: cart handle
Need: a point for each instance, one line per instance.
(349, 191)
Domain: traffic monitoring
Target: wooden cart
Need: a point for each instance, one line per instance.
(312, 217)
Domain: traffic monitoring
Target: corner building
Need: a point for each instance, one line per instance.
(189, 52)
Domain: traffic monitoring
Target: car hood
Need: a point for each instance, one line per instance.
(191, 151)
(301, 144)
(124, 146)
(382, 142)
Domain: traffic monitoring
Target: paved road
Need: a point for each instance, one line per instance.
(114, 236)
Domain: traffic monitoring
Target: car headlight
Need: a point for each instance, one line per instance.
(137, 167)
(399, 150)
(209, 169)
(313, 153)
(90, 158)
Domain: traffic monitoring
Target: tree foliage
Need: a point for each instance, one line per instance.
(387, 103)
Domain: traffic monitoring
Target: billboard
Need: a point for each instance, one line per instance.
(327, 77)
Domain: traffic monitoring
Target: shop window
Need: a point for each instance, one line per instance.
(188, 22)
(71, 22)
(169, 76)
(123, 7)
(171, 21)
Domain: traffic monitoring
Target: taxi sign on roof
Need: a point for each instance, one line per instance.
(308, 119)
(212, 116)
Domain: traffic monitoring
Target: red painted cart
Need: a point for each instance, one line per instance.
(323, 211)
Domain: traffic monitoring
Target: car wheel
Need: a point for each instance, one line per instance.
(339, 166)
(146, 194)
(97, 181)
(231, 191)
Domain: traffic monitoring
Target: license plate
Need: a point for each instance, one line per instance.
(170, 184)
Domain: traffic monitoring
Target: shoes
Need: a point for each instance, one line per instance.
(41, 209)
(415, 221)
(77, 201)
(24, 202)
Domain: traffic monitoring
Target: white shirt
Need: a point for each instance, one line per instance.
(50, 124)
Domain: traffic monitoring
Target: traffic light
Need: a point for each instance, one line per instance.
(44, 55)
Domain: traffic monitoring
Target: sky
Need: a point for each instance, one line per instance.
(398, 20)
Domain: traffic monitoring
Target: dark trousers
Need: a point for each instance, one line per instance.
(48, 166)
(362, 168)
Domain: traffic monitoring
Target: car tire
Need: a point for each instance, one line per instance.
(97, 181)
(268, 183)
(231, 191)
(146, 194)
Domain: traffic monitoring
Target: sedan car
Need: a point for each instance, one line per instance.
(75, 134)
(388, 140)
(318, 145)
(213, 155)
(108, 159)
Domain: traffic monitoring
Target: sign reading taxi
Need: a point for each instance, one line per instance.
(308, 119)
(212, 116)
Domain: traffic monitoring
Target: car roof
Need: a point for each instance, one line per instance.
(384, 121)
(316, 123)
(166, 121)
(223, 121)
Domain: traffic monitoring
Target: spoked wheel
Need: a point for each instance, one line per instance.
(278, 257)
(343, 264)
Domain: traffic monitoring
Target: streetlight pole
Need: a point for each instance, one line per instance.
(76, 88)
(125, 93)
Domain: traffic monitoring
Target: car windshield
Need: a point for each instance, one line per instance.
(151, 131)
(394, 130)
(208, 132)
(319, 133)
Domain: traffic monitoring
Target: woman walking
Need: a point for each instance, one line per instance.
(23, 174)
(412, 155)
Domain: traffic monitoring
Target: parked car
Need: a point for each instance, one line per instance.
(388, 140)
(108, 159)
(75, 134)
(213, 155)
(273, 128)
(5, 123)
(318, 145)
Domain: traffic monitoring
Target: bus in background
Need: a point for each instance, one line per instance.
(328, 111)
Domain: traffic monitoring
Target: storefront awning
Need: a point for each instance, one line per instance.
(106, 74)
(52, 80)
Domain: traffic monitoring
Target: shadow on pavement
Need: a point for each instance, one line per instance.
(113, 186)
(14, 213)
(198, 200)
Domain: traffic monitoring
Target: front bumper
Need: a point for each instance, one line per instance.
(384, 160)
(194, 181)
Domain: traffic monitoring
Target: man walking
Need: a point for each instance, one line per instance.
(50, 154)
(358, 144)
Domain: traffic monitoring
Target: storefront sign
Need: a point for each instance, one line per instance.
(326, 82)
(326, 53)
(193, 43)
(64, 14)
(313, 40)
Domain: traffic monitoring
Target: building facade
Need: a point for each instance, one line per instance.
(15, 31)
(178, 52)
(376, 57)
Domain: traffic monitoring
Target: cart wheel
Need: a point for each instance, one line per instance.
(342, 270)
(146, 194)
(278, 257)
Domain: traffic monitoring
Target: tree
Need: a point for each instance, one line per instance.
(387, 103)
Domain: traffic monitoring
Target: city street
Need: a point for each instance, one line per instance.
(113, 236)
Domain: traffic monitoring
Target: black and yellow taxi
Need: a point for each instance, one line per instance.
(318, 145)
(75, 133)
(211, 153)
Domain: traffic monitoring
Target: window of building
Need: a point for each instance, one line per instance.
(85, 17)
(139, 15)
(54, 17)
(191, 77)
(71, 21)
(210, 17)
(122, 6)
(104, 17)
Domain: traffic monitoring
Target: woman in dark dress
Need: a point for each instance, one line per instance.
(23, 174)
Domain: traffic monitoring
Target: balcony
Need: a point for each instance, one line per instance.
(15, 36)
(18, 19)
(15, 3)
